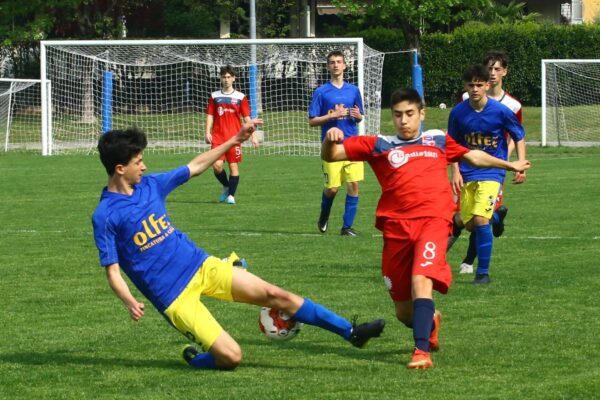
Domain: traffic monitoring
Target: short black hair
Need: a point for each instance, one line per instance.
(496, 56)
(228, 69)
(336, 53)
(410, 95)
(476, 72)
(120, 146)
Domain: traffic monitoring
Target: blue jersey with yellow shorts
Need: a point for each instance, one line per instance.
(162, 262)
(484, 130)
(327, 99)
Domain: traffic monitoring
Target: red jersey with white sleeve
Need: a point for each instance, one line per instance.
(226, 109)
(412, 173)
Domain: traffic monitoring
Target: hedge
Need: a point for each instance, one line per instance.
(445, 56)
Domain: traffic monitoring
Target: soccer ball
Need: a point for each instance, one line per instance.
(277, 325)
(442, 106)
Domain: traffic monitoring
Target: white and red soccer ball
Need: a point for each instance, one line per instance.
(277, 325)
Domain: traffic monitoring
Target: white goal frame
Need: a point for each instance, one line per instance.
(373, 115)
(25, 94)
(557, 124)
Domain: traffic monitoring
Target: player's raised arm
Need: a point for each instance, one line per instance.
(119, 286)
(332, 148)
(205, 160)
(481, 159)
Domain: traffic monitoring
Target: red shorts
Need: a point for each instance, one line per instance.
(233, 155)
(415, 247)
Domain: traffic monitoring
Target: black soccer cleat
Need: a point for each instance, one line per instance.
(322, 223)
(363, 332)
(498, 227)
(348, 232)
(481, 279)
(188, 353)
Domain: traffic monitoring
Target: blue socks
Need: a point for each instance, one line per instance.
(423, 310)
(233, 184)
(204, 360)
(350, 210)
(483, 234)
(317, 315)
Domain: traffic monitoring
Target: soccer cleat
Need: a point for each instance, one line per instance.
(420, 360)
(434, 343)
(348, 232)
(498, 227)
(188, 353)
(230, 200)
(322, 223)
(224, 194)
(362, 333)
(481, 279)
(465, 268)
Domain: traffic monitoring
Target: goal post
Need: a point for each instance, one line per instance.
(21, 114)
(570, 102)
(163, 86)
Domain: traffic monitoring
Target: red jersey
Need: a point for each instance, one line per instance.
(226, 110)
(412, 173)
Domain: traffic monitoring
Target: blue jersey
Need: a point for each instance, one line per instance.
(328, 98)
(136, 232)
(485, 130)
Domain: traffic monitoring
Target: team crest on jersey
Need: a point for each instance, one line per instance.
(428, 140)
(397, 158)
(220, 110)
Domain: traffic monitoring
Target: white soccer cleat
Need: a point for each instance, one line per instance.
(230, 200)
(465, 268)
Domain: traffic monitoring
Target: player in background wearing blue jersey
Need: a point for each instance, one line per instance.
(482, 123)
(338, 104)
(133, 232)
(497, 64)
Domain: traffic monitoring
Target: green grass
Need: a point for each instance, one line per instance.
(531, 334)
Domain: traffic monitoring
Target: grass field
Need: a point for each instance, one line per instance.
(531, 334)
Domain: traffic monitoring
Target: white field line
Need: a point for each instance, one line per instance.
(289, 234)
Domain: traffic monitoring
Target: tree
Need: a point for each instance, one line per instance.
(413, 17)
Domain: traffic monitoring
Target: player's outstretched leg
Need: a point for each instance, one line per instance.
(317, 315)
(326, 203)
(498, 221)
(423, 327)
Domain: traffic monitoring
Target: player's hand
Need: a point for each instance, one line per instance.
(208, 138)
(519, 177)
(337, 113)
(457, 183)
(136, 310)
(247, 130)
(355, 113)
(254, 141)
(334, 135)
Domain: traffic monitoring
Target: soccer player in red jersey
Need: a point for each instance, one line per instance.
(414, 211)
(225, 107)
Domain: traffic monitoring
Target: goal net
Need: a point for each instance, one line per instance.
(571, 102)
(163, 88)
(20, 114)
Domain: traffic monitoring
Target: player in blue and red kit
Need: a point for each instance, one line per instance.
(338, 104)
(134, 232)
(414, 211)
(225, 107)
(483, 123)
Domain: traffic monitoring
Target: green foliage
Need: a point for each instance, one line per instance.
(445, 56)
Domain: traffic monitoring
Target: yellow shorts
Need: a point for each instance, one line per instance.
(189, 315)
(334, 173)
(478, 198)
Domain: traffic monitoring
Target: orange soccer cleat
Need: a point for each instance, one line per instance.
(434, 343)
(420, 360)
